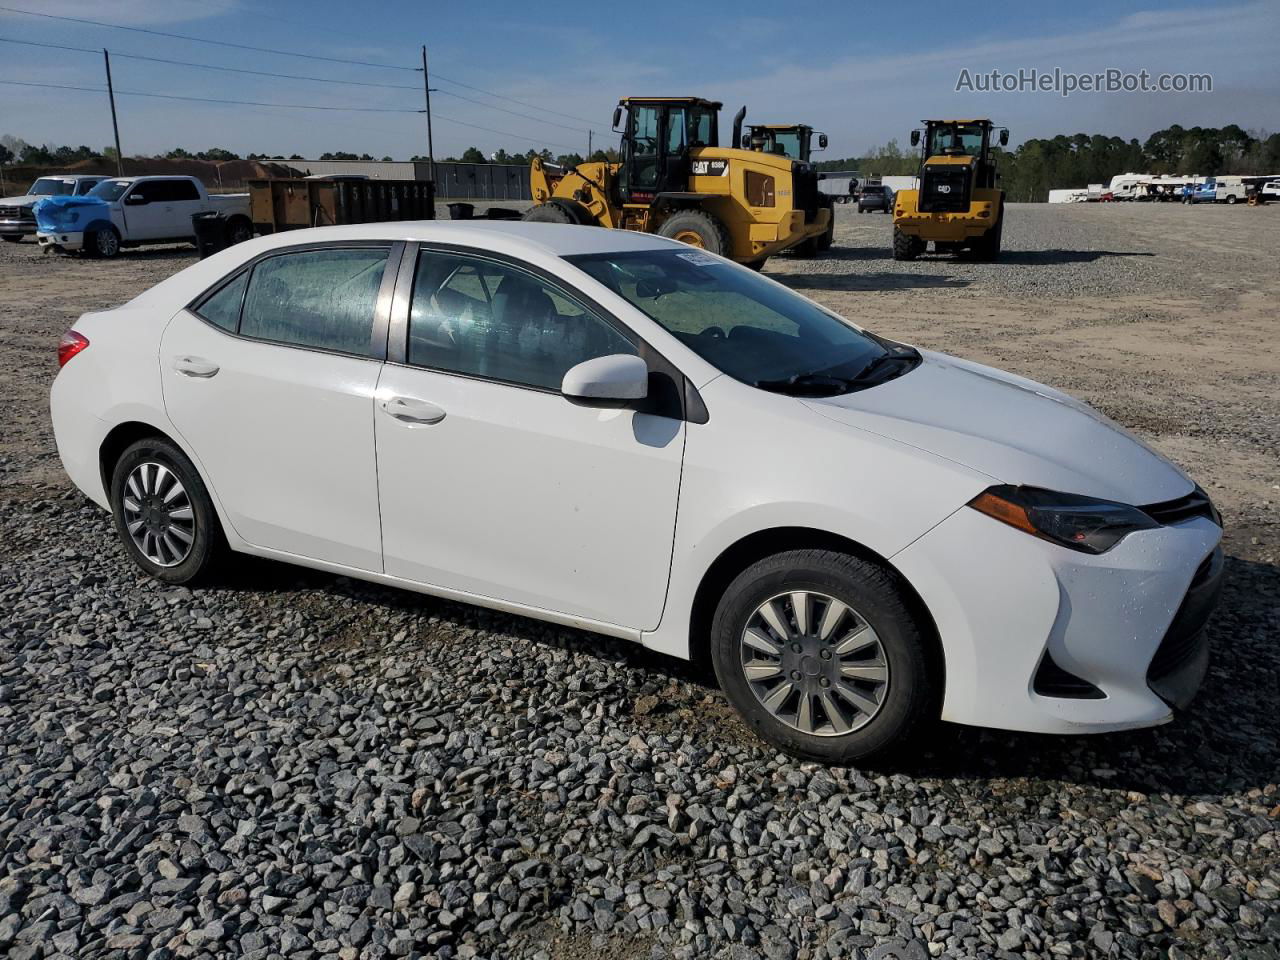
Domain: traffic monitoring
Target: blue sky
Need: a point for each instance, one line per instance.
(861, 72)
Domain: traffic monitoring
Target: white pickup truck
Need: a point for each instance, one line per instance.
(129, 211)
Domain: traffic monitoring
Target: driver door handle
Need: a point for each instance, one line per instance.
(195, 367)
(413, 410)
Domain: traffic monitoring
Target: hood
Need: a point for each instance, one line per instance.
(21, 200)
(1012, 429)
(65, 213)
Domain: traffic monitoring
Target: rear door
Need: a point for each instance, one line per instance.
(491, 482)
(184, 202)
(270, 379)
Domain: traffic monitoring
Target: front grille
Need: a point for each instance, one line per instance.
(1179, 663)
(16, 213)
(1194, 504)
(804, 190)
(945, 189)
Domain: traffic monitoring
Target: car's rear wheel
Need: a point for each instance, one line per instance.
(163, 512)
(822, 654)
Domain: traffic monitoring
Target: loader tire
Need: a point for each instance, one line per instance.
(905, 246)
(986, 248)
(698, 229)
(559, 211)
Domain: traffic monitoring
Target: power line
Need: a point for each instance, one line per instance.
(487, 93)
(305, 56)
(218, 43)
(291, 106)
(212, 66)
(247, 103)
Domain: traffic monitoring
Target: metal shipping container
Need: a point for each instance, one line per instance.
(293, 204)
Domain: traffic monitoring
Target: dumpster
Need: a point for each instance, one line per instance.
(211, 232)
(461, 211)
(291, 204)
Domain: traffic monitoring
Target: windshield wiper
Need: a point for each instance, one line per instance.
(807, 384)
(827, 385)
(907, 355)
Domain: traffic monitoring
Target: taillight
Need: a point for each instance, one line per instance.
(70, 344)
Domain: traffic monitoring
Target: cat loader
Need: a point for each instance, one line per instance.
(794, 140)
(958, 206)
(675, 180)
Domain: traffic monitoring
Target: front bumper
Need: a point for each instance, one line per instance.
(17, 228)
(71, 240)
(1129, 623)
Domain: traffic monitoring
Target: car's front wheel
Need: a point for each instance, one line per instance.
(822, 654)
(163, 513)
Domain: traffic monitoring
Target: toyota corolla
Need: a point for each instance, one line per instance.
(620, 433)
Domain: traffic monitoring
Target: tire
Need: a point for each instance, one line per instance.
(1231, 199)
(827, 238)
(139, 491)
(547, 213)
(699, 229)
(103, 243)
(238, 231)
(559, 211)
(897, 683)
(905, 246)
(11, 238)
(987, 248)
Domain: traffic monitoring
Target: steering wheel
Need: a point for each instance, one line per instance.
(712, 333)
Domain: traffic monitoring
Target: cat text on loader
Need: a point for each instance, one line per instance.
(958, 205)
(675, 180)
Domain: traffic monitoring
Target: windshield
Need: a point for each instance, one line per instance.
(110, 189)
(51, 187)
(956, 139)
(750, 328)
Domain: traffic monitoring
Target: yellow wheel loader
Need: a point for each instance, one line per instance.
(676, 181)
(958, 205)
(794, 140)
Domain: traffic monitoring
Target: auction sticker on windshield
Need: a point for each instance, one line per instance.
(698, 258)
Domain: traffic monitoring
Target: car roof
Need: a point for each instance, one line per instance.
(510, 236)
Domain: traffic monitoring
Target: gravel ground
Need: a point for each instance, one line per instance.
(291, 764)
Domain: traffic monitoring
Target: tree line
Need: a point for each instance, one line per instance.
(1038, 165)
(1027, 173)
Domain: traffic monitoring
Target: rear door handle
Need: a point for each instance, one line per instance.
(195, 367)
(413, 410)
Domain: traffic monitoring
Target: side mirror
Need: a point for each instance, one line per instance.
(915, 138)
(617, 117)
(1004, 137)
(607, 381)
(136, 199)
(822, 141)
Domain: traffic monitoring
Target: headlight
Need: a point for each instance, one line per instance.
(1075, 522)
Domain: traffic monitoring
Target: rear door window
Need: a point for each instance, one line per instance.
(324, 299)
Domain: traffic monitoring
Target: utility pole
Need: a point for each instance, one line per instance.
(426, 92)
(115, 126)
(589, 133)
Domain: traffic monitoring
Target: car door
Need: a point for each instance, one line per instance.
(184, 202)
(491, 482)
(145, 210)
(270, 379)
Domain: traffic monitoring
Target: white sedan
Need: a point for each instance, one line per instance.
(617, 432)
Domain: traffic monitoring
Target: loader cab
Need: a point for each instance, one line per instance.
(657, 138)
(955, 141)
(794, 140)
